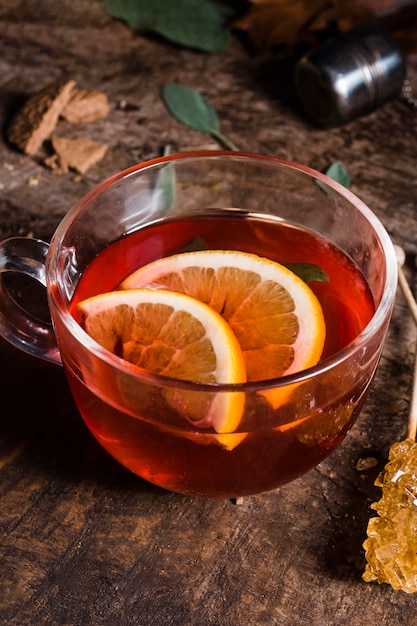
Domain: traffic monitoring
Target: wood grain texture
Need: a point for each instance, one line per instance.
(83, 542)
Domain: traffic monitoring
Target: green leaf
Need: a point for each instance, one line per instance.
(192, 109)
(195, 245)
(308, 272)
(165, 184)
(339, 173)
(198, 24)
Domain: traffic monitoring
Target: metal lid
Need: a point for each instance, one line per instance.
(349, 76)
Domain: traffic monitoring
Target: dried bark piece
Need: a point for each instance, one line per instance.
(85, 106)
(77, 154)
(36, 119)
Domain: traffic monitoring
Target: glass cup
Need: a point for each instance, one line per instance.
(228, 200)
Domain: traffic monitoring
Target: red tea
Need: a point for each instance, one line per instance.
(273, 446)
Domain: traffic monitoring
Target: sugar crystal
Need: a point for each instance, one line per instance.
(391, 546)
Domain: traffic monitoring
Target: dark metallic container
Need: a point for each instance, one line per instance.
(349, 76)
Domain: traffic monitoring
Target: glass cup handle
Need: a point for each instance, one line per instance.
(25, 256)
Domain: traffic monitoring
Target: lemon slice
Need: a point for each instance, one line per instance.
(173, 335)
(275, 316)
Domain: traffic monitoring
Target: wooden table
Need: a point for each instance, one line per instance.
(83, 542)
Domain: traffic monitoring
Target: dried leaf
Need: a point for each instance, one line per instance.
(273, 23)
(85, 106)
(76, 154)
(402, 25)
(36, 119)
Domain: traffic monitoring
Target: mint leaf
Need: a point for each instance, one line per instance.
(339, 173)
(165, 184)
(308, 272)
(192, 109)
(198, 24)
(195, 245)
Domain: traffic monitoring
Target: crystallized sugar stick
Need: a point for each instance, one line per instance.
(391, 546)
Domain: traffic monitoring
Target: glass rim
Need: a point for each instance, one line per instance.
(381, 311)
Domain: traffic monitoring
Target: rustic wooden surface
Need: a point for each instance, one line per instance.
(83, 542)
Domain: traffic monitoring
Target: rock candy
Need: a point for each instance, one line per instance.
(391, 546)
